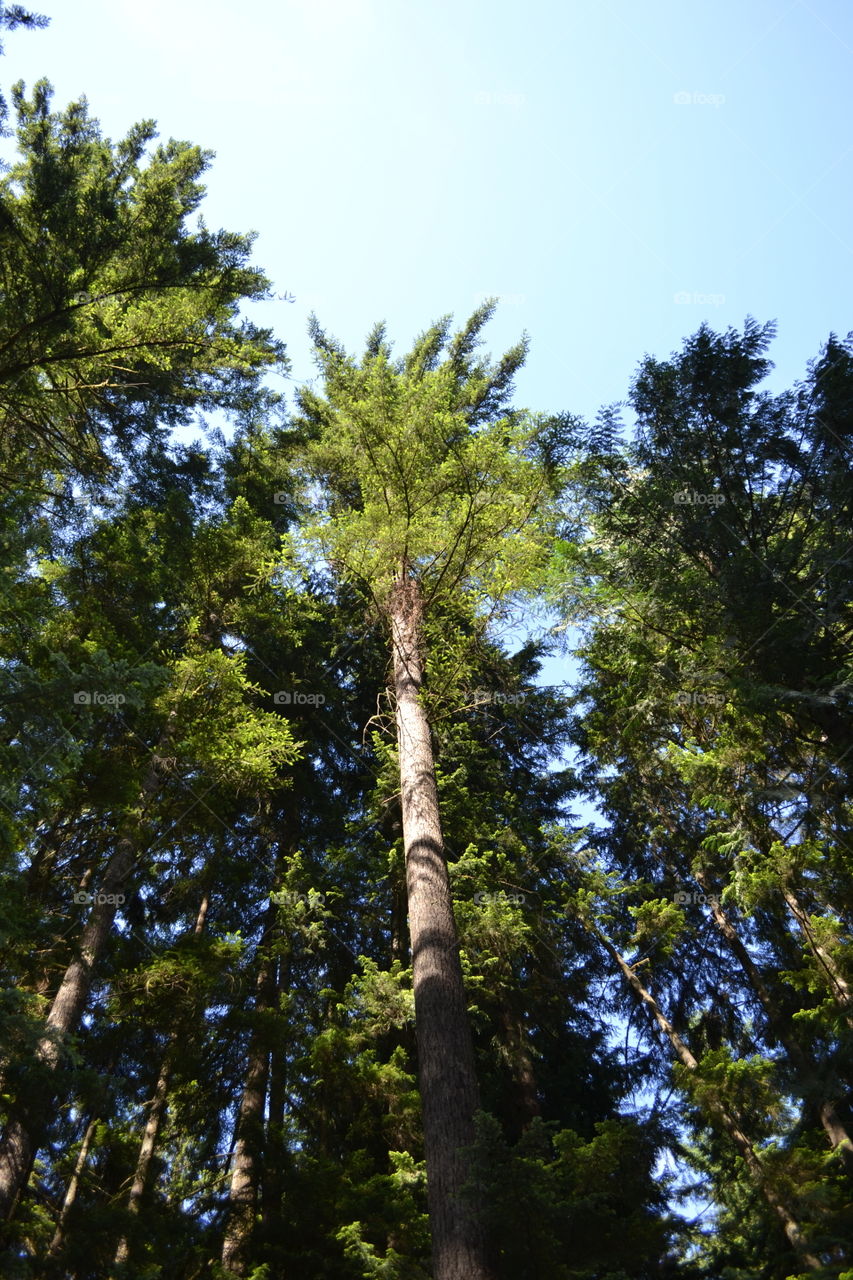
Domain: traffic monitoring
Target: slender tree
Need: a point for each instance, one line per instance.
(432, 488)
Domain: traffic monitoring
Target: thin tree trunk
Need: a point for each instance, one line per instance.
(391, 830)
(25, 1126)
(58, 1240)
(23, 1131)
(727, 1121)
(447, 1079)
(841, 992)
(524, 1102)
(158, 1104)
(147, 1147)
(834, 1128)
(246, 1161)
(272, 1181)
(399, 931)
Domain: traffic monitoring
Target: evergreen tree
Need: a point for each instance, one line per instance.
(714, 718)
(117, 319)
(431, 487)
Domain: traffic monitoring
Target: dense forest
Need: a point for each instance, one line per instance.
(336, 944)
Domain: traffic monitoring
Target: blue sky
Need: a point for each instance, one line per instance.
(616, 171)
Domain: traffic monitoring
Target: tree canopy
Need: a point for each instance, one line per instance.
(336, 944)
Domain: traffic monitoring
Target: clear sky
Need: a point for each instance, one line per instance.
(618, 170)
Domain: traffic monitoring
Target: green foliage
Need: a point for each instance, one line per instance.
(569, 1208)
(423, 467)
(712, 720)
(659, 924)
(115, 316)
(262, 927)
(216, 730)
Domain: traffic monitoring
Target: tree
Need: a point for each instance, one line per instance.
(432, 490)
(190, 702)
(714, 720)
(117, 319)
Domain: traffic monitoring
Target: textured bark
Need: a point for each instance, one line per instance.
(838, 1137)
(147, 1148)
(724, 1118)
(26, 1125)
(248, 1147)
(71, 1190)
(448, 1085)
(23, 1131)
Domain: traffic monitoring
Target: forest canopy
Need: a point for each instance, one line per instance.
(335, 943)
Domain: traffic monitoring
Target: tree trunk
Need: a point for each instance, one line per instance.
(727, 1121)
(248, 1147)
(841, 992)
(58, 1240)
(147, 1148)
(276, 1147)
(158, 1103)
(447, 1080)
(524, 1101)
(24, 1129)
